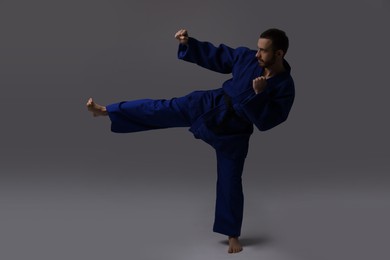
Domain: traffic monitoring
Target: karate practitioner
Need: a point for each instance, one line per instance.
(260, 92)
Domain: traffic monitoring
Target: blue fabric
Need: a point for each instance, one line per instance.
(211, 122)
(223, 117)
(145, 114)
(230, 198)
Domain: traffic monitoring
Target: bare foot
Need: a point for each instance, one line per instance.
(234, 245)
(96, 109)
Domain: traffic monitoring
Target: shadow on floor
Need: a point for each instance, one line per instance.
(252, 241)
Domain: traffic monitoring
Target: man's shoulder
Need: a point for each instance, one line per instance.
(245, 50)
(244, 54)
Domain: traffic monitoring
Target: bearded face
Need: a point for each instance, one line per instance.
(265, 53)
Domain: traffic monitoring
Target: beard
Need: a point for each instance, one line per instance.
(269, 63)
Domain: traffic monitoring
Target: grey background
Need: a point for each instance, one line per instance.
(316, 187)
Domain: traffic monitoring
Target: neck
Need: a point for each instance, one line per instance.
(275, 69)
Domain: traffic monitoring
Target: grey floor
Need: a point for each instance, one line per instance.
(140, 215)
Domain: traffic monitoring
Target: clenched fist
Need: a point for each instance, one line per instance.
(182, 36)
(259, 84)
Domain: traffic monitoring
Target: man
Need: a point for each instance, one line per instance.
(261, 92)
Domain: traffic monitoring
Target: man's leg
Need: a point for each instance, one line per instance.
(230, 200)
(141, 115)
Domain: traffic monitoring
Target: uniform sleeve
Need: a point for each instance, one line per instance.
(270, 107)
(219, 59)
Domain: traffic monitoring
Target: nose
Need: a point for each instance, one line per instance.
(258, 55)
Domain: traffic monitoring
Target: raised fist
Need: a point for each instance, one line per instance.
(259, 84)
(182, 36)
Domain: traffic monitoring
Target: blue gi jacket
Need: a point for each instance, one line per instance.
(266, 109)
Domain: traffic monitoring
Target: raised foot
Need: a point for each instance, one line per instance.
(96, 109)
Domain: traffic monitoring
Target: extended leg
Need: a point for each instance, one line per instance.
(141, 115)
(230, 200)
(147, 114)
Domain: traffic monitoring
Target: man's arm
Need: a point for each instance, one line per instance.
(219, 59)
(270, 106)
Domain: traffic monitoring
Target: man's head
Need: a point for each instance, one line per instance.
(272, 47)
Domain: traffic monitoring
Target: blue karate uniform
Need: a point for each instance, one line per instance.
(222, 117)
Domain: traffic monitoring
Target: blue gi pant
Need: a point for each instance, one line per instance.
(210, 119)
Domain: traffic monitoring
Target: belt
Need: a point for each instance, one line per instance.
(230, 114)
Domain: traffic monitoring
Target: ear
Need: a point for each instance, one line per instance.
(279, 53)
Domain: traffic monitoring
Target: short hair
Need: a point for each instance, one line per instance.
(278, 37)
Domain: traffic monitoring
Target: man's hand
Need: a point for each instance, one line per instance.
(182, 36)
(259, 84)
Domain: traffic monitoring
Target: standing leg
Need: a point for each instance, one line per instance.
(230, 200)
